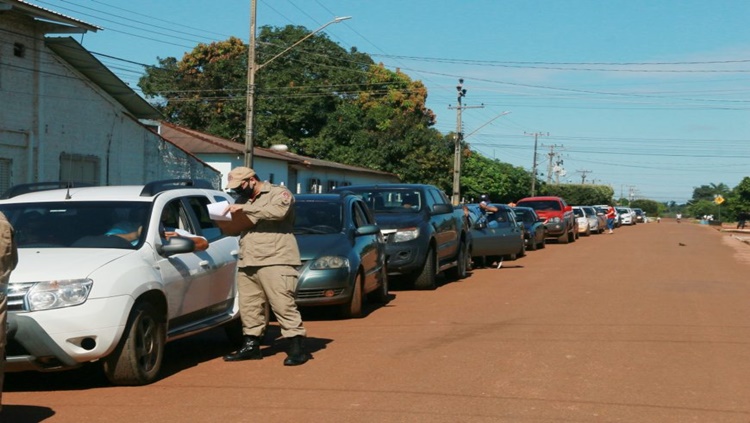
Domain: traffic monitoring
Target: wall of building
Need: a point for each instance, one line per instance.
(62, 125)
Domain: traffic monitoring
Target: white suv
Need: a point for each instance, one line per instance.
(96, 279)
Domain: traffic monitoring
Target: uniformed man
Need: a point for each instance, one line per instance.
(267, 265)
(8, 261)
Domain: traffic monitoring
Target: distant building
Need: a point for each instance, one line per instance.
(65, 116)
(301, 174)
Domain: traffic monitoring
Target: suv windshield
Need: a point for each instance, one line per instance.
(92, 224)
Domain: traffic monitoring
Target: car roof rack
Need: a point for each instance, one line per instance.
(20, 189)
(155, 187)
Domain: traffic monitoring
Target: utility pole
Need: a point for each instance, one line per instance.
(253, 68)
(250, 106)
(461, 91)
(550, 168)
(583, 175)
(533, 164)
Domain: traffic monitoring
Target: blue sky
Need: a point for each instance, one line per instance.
(649, 97)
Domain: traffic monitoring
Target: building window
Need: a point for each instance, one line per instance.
(315, 186)
(19, 50)
(79, 168)
(5, 173)
(331, 185)
(345, 184)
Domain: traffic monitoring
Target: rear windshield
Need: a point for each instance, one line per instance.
(542, 205)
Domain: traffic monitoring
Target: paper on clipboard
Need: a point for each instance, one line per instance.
(216, 211)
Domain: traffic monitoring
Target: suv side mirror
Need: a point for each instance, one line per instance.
(176, 245)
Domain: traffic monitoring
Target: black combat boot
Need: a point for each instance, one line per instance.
(297, 353)
(250, 350)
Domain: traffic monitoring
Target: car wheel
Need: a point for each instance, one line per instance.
(543, 243)
(462, 260)
(588, 232)
(353, 309)
(426, 278)
(522, 251)
(532, 244)
(380, 295)
(564, 238)
(138, 357)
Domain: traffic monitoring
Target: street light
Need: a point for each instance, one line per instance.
(252, 68)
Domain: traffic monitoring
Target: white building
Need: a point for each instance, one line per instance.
(66, 117)
(300, 174)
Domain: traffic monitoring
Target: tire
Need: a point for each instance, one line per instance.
(532, 244)
(573, 234)
(380, 295)
(543, 243)
(426, 279)
(138, 357)
(564, 238)
(462, 260)
(353, 309)
(522, 252)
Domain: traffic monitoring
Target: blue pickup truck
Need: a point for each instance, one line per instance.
(425, 233)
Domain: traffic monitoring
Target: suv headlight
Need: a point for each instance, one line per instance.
(330, 262)
(408, 234)
(555, 220)
(57, 294)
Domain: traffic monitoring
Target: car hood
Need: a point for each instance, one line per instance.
(40, 264)
(312, 246)
(546, 214)
(398, 220)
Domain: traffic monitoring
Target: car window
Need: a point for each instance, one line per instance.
(542, 205)
(207, 227)
(578, 212)
(361, 218)
(318, 217)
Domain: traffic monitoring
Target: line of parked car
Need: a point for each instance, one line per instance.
(98, 281)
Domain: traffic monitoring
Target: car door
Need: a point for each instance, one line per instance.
(507, 231)
(198, 284)
(484, 237)
(371, 248)
(445, 225)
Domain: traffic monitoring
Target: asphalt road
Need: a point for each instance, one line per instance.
(649, 324)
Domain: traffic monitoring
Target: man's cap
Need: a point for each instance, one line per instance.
(237, 175)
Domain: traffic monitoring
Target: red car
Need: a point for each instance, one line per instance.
(559, 220)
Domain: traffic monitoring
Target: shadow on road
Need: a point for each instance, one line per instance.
(25, 414)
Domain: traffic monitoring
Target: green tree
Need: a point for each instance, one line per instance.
(503, 182)
(738, 199)
(205, 90)
(387, 126)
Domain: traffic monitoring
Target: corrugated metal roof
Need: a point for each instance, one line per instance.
(197, 142)
(49, 15)
(72, 52)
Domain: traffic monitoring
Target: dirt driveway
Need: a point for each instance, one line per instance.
(650, 324)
